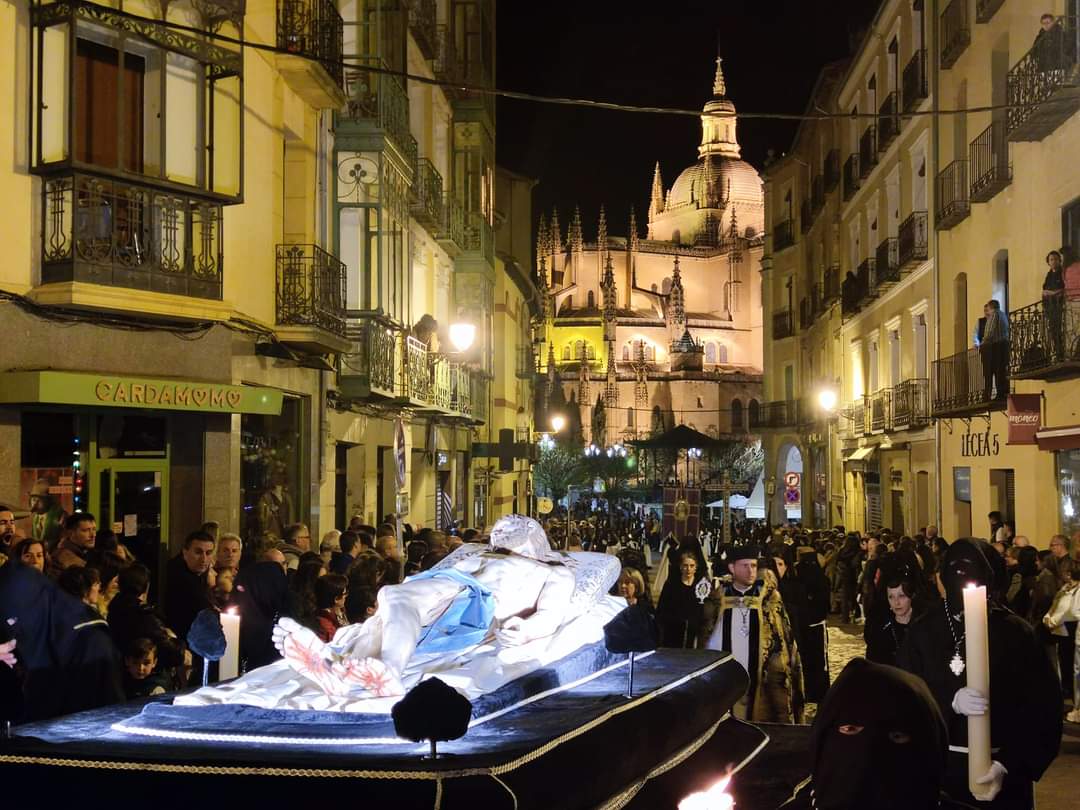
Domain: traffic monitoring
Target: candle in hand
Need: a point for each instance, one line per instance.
(977, 653)
(229, 667)
(715, 798)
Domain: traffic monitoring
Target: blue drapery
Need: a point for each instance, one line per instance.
(465, 622)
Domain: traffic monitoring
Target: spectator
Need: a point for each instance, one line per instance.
(815, 612)
(302, 605)
(1017, 597)
(212, 528)
(1053, 290)
(680, 613)
(360, 603)
(83, 583)
(297, 542)
(631, 587)
(141, 678)
(131, 617)
(189, 576)
(885, 637)
(1048, 48)
(80, 532)
(31, 552)
(261, 596)
(330, 593)
(106, 542)
(994, 355)
(1066, 608)
(340, 561)
(230, 548)
(847, 576)
(8, 536)
(331, 542)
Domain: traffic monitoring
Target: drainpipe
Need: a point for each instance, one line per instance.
(931, 197)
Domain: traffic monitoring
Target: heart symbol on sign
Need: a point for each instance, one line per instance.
(234, 398)
(200, 395)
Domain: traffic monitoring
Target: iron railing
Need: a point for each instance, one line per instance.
(441, 394)
(913, 239)
(784, 413)
(783, 324)
(461, 389)
(310, 288)
(953, 203)
(118, 234)
(1045, 339)
(868, 151)
(452, 228)
(416, 382)
(989, 158)
(878, 406)
(830, 286)
(888, 121)
(852, 421)
(955, 32)
(854, 289)
(971, 381)
(446, 65)
(380, 98)
(373, 363)
(911, 404)
(479, 398)
(914, 85)
(478, 236)
(985, 9)
(426, 195)
(866, 278)
(1047, 73)
(851, 176)
(832, 170)
(312, 28)
(783, 235)
(422, 25)
(887, 260)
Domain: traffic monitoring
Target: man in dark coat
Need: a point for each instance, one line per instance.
(189, 576)
(1024, 699)
(813, 647)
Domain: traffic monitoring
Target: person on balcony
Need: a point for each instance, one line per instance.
(994, 351)
(1049, 47)
(1053, 291)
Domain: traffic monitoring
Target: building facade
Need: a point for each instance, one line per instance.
(641, 334)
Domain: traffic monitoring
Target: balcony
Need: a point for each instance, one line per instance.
(852, 423)
(127, 235)
(422, 26)
(451, 231)
(851, 176)
(914, 86)
(830, 286)
(913, 240)
(416, 385)
(783, 324)
(1045, 340)
(527, 363)
(953, 205)
(887, 261)
(879, 411)
(426, 196)
(368, 370)
(817, 195)
(854, 290)
(446, 65)
(311, 298)
(867, 151)
(783, 235)
(888, 122)
(832, 170)
(378, 100)
(1042, 90)
(985, 9)
(971, 382)
(911, 404)
(866, 281)
(806, 313)
(310, 36)
(988, 156)
(806, 218)
(955, 32)
(478, 237)
(785, 413)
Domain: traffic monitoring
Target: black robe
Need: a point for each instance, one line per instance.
(813, 644)
(1025, 701)
(680, 614)
(884, 640)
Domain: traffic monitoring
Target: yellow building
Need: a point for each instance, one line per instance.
(1007, 192)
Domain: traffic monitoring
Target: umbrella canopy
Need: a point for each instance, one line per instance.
(737, 502)
(679, 437)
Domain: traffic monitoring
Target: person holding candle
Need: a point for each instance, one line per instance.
(1025, 718)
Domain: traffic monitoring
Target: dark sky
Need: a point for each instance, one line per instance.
(656, 54)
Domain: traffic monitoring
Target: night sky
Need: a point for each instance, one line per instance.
(660, 54)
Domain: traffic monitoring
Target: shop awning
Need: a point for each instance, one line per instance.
(1059, 438)
(107, 390)
(861, 453)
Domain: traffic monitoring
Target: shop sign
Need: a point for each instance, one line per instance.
(980, 445)
(1025, 418)
(77, 388)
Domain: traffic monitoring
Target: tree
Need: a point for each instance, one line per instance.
(615, 471)
(559, 467)
(743, 461)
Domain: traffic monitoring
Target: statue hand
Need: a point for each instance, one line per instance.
(512, 633)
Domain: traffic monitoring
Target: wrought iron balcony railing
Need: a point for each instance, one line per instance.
(480, 391)
(914, 86)
(416, 383)
(783, 235)
(879, 411)
(911, 404)
(1045, 339)
(985, 9)
(1041, 87)
(830, 287)
(989, 159)
(972, 381)
(310, 288)
(955, 32)
(380, 100)
(832, 170)
(868, 151)
(851, 176)
(102, 231)
(913, 240)
(426, 195)
(888, 122)
(451, 230)
(783, 324)
(785, 413)
(887, 261)
(479, 237)
(461, 389)
(371, 368)
(312, 28)
(866, 280)
(422, 25)
(854, 289)
(953, 204)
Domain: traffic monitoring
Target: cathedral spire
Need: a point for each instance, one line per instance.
(552, 372)
(601, 232)
(676, 309)
(607, 288)
(555, 235)
(719, 86)
(583, 375)
(656, 198)
(542, 245)
(574, 236)
(634, 241)
(611, 384)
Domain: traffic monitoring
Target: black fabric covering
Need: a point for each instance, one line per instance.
(205, 637)
(186, 593)
(261, 596)
(431, 710)
(633, 630)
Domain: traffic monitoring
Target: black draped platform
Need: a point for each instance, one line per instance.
(562, 741)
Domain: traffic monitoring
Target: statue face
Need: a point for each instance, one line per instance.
(521, 535)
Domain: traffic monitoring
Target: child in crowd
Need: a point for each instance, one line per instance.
(140, 663)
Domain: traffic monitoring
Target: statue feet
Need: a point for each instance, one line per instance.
(310, 657)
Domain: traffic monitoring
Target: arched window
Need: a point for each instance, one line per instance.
(630, 417)
(722, 354)
(755, 414)
(566, 352)
(579, 347)
(710, 353)
(736, 416)
(591, 298)
(590, 351)
(626, 353)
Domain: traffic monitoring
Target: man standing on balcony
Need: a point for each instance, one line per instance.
(994, 351)
(1049, 45)
(1053, 290)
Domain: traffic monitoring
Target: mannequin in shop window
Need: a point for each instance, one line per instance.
(276, 507)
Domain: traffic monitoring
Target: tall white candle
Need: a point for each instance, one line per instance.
(229, 666)
(977, 653)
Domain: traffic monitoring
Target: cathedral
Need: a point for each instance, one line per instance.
(641, 334)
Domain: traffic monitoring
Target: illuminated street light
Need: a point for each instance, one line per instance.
(558, 422)
(827, 399)
(462, 335)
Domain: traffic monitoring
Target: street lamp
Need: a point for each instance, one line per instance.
(462, 335)
(558, 422)
(827, 399)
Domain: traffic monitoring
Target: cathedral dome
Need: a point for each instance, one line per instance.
(736, 180)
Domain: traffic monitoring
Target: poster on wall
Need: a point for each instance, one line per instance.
(1025, 417)
(49, 494)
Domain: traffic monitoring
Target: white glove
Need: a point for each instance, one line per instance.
(993, 779)
(968, 701)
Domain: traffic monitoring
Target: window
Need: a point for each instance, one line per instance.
(566, 352)
(710, 353)
(700, 402)
(591, 300)
(630, 417)
(894, 357)
(960, 314)
(754, 413)
(626, 353)
(872, 366)
(920, 346)
(736, 416)
(722, 354)
(1070, 224)
(1000, 283)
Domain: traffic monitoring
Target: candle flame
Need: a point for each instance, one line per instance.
(715, 798)
(972, 586)
(232, 611)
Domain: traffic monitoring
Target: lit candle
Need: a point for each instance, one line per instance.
(977, 652)
(229, 666)
(715, 798)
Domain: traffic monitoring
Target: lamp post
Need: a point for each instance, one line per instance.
(558, 422)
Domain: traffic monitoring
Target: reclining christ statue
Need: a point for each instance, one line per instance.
(516, 591)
